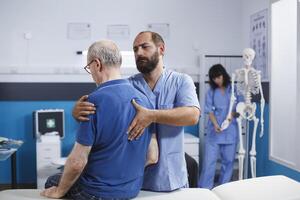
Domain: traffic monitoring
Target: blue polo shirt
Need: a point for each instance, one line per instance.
(115, 166)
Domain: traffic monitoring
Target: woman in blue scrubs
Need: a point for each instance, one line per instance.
(218, 143)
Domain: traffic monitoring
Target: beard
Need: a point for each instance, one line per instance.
(147, 65)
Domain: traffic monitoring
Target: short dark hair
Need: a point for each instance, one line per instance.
(156, 38)
(216, 71)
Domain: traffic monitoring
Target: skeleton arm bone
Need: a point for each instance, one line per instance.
(262, 107)
(226, 122)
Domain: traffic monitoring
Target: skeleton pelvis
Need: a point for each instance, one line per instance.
(246, 111)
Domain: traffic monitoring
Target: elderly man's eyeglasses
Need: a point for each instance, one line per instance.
(87, 67)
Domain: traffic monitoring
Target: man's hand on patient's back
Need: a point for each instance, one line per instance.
(82, 109)
(143, 118)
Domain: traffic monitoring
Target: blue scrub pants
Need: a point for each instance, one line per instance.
(212, 151)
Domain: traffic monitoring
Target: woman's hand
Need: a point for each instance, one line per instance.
(217, 128)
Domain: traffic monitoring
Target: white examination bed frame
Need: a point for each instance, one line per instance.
(263, 188)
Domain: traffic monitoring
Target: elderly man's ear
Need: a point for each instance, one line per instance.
(99, 65)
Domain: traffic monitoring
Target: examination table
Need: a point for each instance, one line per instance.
(262, 188)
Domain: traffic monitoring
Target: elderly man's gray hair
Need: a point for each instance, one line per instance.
(106, 51)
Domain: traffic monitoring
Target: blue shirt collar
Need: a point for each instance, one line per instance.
(113, 82)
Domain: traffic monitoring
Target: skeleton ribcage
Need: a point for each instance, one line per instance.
(253, 82)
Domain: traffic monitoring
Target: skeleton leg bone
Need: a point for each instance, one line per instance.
(253, 149)
(241, 152)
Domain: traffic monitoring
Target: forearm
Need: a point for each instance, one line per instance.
(213, 119)
(262, 100)
(75, 164)
(232, 97)
(72, 171)
(153, 151)
(181, 116)
(262, 104)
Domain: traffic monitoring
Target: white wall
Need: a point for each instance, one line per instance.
(284, 81)
(298, 71)
(197, 27)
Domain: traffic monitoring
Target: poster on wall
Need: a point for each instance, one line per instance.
(118, 31)
(79, 31)
(162, 28)
(259, 41)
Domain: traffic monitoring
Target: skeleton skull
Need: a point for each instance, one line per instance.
(248, 56)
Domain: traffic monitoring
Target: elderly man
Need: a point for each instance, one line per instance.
(173, 97)
(103, 163)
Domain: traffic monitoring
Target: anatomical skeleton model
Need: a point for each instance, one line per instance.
(248, 82)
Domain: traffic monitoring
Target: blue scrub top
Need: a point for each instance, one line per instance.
(172, 90)
(218, 103)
